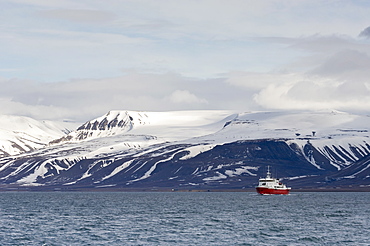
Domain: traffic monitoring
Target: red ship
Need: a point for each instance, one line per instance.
(271, 186)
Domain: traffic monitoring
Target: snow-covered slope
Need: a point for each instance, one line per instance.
(20, 134)
(341, 137)
(319, 125)
(163, 126)
(200, 149)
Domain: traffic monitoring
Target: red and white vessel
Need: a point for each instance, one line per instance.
(271, 186)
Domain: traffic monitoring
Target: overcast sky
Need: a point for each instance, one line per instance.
(68, 59)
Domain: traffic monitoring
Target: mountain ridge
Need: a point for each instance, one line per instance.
(199, 149)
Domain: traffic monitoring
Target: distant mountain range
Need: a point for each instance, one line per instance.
(20, 134)
(187, 150)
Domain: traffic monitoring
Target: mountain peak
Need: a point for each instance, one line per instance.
(168, 126)
(113, 119)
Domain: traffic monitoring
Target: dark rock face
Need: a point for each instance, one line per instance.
(235, 165)
(105, 124)
(112, 121)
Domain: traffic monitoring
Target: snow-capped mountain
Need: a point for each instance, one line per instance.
(19, 134)
(164, 126)
(199, 150)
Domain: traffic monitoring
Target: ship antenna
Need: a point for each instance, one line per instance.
(268, 172)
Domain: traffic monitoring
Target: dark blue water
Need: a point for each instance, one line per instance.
(207, 218)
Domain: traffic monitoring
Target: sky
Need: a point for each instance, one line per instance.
(76, 60)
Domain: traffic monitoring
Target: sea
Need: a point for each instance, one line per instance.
(184, 218)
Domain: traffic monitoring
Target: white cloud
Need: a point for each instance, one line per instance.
(11, 107)
(336, 78)
(97, 39)
(184, 96)
(83, 99)
(314, 93)
(346, 64)
(257, 81)
(173, 55)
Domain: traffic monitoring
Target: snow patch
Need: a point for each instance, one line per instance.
(196, 150)
(240, 170)
(152, 168)
(118, 169)
(215, 178)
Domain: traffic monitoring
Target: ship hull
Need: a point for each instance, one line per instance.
(271, 191)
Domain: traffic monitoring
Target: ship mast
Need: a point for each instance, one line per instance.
(268, 173)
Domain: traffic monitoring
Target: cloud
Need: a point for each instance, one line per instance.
(49, 3)
(184, 96)
(79, 15)
(332, 72)
(84, 99)
(335, 78)
(365, 33)
(80, 59)
(59, 40)
(253, 81)
(315, 93)
(344, 62)
(37, 111)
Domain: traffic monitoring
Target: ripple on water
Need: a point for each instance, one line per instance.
(184, 219)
